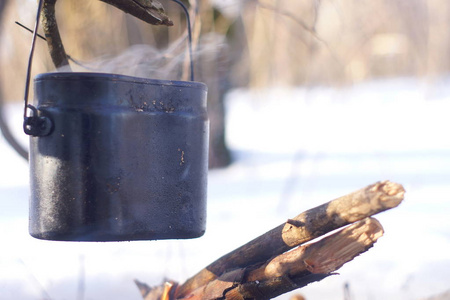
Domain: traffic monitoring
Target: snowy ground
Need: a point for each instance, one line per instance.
(294, 149)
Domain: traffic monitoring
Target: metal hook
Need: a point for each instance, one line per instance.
(37, 125)
(188, 21)
(44, 124)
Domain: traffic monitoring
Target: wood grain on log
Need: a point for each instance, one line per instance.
(308, 225)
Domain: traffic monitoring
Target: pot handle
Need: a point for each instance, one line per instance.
(38, 125)
(34, 125)
(188, 22)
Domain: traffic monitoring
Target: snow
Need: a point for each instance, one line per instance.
(294, 149)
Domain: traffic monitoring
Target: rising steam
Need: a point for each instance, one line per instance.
(149, 62)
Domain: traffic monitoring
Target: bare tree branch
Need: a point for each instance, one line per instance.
(150, 11)
(293, 17)
(54, 42)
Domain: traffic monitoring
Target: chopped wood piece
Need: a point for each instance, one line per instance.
(324, 256)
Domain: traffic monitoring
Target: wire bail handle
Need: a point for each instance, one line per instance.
(34, 125)
(40, 125)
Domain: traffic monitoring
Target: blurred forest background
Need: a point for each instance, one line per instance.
(241, 43)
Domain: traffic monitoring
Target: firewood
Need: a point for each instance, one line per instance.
(308, 225)
(294, 269)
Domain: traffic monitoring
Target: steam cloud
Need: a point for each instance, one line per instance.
(149, 62)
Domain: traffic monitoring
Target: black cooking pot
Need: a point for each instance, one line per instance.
(117, 158)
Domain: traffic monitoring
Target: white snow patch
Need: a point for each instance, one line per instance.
(294, 149)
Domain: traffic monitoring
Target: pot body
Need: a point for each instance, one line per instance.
(126, 159)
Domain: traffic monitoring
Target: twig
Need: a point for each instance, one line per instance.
(311, 224)
(30, 30)
(293, 17)
(296, 19)
(288, 14)
(75, 61)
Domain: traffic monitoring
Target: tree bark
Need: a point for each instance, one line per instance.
(54, 42)
(308, 225)
(149, 11)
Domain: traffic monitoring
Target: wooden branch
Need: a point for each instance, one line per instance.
(150, 11)
(54, 42)
(294, 269)
(310, 224)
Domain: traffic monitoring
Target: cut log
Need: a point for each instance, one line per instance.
(324, 256)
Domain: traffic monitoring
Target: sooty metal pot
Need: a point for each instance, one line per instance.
(118, 158)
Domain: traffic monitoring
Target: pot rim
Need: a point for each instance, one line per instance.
(116, 77)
